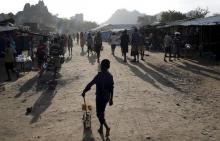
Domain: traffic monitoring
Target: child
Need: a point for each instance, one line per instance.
(104, 93)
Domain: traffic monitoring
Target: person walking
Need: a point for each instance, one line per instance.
(70, 45)
(63, 43)
(113, 42)
(167, 46)
(142, 45)
(177, 45)
(124, 44)
(98, 44)
(135, 42)
(77, 38)
(41, 54)
(82, 40)
(9, 60)
(74, 37)
(104, 93)
(89, 43)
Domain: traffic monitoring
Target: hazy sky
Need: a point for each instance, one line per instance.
(101, 10)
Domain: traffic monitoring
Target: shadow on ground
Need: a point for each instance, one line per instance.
(43, 102)
(200, 70)
(47, 85)
(49, 90)
(152, 76)
(27, 86)
(68, 59)
(87, 135)
(82, 53)
(201, 61)
(92, 59)
(158, 77)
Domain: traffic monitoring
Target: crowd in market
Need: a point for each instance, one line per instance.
(42, 52)
(137, 39)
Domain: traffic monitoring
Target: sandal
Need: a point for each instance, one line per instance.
(107, 132)
(100, 131)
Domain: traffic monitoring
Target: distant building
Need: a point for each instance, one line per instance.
(34, 27)
(44, 29)
(78, 18)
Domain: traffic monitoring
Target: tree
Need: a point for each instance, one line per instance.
(62, 25)
(146, 20)
(169, 16)
(88, 25)
(198, 13)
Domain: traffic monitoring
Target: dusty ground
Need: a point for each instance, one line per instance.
(154, 100)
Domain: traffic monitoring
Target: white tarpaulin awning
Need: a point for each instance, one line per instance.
(109, 27)
(7, 28)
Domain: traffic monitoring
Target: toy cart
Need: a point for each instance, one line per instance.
(87, 109)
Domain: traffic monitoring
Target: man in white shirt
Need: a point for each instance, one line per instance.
(113, 42)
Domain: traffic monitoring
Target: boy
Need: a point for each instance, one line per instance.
(104, 93)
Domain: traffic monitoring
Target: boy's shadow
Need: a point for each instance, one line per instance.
(69, 58)
(82, 53)
(92, 59)
(103, 138)
(87, 135)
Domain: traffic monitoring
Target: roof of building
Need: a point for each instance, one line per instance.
(214, 20)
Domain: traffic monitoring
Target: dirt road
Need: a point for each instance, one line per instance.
(154, 100)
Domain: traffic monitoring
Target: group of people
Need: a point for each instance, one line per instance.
(93, 42)
(172, 46)
(80, 39)
(137, 42)
(47, 44)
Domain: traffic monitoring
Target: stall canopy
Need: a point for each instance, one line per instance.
(214, 20)
(7, 28)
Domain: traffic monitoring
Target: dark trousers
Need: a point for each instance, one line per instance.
(98, 49)
(100, 109)
(167, 51)
(70, 50)
(9, 66)
(89, 49)
(125, 56)
(177, 53)
(113, 49)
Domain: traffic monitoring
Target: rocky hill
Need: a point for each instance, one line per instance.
(123, 16)
(37, 13)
